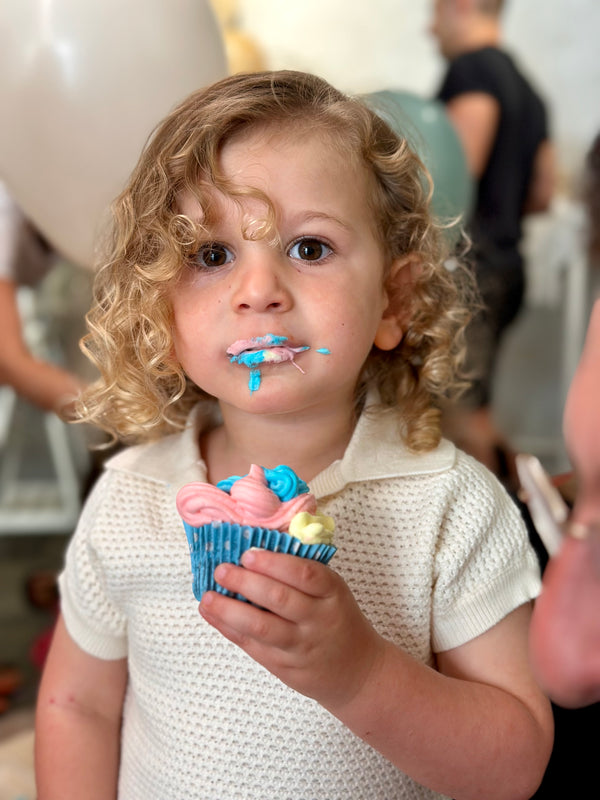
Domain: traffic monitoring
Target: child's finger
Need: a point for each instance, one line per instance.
(246, 625)
(265, 592)
(310, 577)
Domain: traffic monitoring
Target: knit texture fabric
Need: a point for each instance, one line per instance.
(431, 546)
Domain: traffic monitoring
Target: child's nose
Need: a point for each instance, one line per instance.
(261, 285)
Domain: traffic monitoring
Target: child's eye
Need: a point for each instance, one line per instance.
(309, 249)
(213, 255)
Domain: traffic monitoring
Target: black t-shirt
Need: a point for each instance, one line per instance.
(502, 190)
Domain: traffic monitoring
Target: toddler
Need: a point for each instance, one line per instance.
(272, 207)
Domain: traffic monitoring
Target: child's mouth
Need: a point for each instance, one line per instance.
(268, 349)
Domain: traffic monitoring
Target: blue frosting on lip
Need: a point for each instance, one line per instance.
(253, 358)
(250, 358)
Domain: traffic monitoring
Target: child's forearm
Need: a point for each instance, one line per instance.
(78, 723)
(77, 755)
(464, 739)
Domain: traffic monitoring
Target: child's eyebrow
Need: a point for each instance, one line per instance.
(312, 216)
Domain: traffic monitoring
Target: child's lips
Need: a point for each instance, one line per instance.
(268, 349)
(257, 343)
(261, 350)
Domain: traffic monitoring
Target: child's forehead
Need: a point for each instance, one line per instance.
(284, 130)
(299, 139)
(256, 165)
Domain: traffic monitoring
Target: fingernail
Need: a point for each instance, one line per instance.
(249, 557)
(207, 600)
(221, 570)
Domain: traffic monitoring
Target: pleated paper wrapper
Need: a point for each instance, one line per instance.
(218, 542)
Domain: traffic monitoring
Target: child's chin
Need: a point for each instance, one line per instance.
(273, 401)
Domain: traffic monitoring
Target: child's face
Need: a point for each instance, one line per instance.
(321, 286)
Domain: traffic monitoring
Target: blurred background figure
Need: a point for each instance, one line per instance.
(565, 631)
(27, 372)
(502, 123)
(25, 259)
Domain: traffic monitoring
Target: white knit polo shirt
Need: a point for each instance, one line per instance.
(432, 547)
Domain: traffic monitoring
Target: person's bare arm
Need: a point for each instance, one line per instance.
(475, 117)
(581, 425)
(477, 727)
(543, 180)
(44, 384)
(565, 630)
(78, 722)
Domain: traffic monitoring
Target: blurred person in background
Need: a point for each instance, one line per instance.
(565, 629)
(502, 124)
(25, 259)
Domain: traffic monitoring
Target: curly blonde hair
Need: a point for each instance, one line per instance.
(143, 392)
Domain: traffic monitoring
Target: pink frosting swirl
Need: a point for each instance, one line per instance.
(251, 502)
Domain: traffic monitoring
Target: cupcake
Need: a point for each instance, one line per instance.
(268, 508)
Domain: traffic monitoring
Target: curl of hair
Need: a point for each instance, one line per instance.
(142, 392)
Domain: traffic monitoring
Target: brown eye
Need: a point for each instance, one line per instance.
(213, 256)
(309, 250)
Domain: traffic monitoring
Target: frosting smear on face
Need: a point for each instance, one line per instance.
(268, 349)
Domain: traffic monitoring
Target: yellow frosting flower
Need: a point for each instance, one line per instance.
(312, 528)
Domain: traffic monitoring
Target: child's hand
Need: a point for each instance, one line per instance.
(305, 627)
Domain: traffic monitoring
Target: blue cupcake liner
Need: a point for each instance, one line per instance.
(218, 542)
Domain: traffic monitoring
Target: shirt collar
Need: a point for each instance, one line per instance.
(374, 452)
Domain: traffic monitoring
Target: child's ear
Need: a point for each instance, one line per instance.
(396, 316)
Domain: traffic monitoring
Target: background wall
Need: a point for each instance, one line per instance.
(365, 46)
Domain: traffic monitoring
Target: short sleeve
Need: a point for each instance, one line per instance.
(485, 566)
(465, 75)
(89, 604)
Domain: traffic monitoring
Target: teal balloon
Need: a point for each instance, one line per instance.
(423, 122)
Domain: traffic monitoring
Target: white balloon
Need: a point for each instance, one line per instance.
(82, 84)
